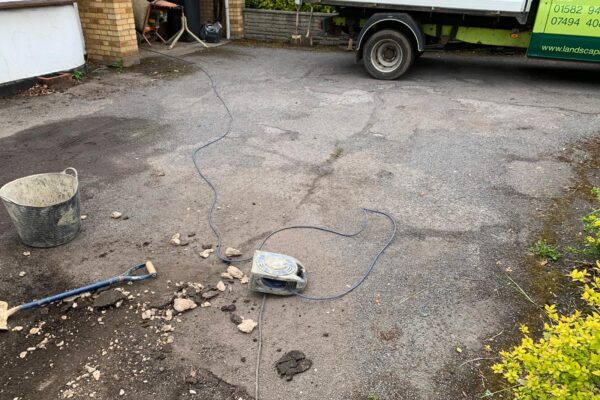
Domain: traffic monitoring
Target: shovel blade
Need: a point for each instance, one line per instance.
(3, 316)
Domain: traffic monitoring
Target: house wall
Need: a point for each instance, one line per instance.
(109, 31)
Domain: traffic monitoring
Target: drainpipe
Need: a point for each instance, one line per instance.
(227, 18)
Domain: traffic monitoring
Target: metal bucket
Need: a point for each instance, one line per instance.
(44, 208)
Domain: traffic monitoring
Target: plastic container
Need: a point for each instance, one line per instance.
(44, 208)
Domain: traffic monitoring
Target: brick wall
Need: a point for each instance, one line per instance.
(207, 12)
(279, 26)
(236, 17)
(109, 31)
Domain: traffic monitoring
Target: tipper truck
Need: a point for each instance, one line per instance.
(388, 35)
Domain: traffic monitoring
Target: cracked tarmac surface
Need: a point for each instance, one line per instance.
(465, 152)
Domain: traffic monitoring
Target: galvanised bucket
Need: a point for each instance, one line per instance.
(44, 208)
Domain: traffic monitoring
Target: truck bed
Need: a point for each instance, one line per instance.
(496, 7)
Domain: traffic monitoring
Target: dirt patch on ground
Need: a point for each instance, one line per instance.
(92, 141)
(84, 352)
(81, 351)
(94, 144)
(163, 67)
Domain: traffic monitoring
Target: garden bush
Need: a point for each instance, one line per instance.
(565, 362)
(286, 5)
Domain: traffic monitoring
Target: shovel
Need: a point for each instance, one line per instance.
(297, 38)
(6, 312)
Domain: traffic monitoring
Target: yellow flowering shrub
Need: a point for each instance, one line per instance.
(592, 228)
(565, 362)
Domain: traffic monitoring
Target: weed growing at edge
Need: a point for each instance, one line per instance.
(544, 250)
(77, 74)
(337, 152)
(117, 65)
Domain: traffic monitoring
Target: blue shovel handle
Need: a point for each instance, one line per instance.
(127, 276)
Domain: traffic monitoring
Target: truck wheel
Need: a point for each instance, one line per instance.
(388, 54)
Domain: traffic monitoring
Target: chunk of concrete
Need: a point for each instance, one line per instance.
(182, 305)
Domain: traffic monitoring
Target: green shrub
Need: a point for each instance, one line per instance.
(592, 228)
(285, 5)
(565, 362)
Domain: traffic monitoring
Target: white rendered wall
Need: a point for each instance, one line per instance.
(38, 41)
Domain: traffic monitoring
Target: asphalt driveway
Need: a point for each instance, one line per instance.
(467, 152)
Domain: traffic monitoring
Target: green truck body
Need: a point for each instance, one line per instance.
(567, 30)
(563, 29)
(393, 33)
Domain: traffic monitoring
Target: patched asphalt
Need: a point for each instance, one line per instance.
(466, 152)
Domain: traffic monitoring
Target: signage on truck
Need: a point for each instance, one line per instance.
(567, 29)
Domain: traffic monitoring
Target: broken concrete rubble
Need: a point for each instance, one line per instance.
(231, 252)
(210, 294)
(148, 314)
(247, 326)
(175, 239)
(226, 275)
(235, 272)
(181, 305)
(206, 253)
(292, 363)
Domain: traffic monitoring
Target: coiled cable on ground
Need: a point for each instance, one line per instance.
(213, 227)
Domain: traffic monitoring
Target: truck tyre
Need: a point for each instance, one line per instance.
(388, 54)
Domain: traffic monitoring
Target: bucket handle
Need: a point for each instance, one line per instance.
(71, 171)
